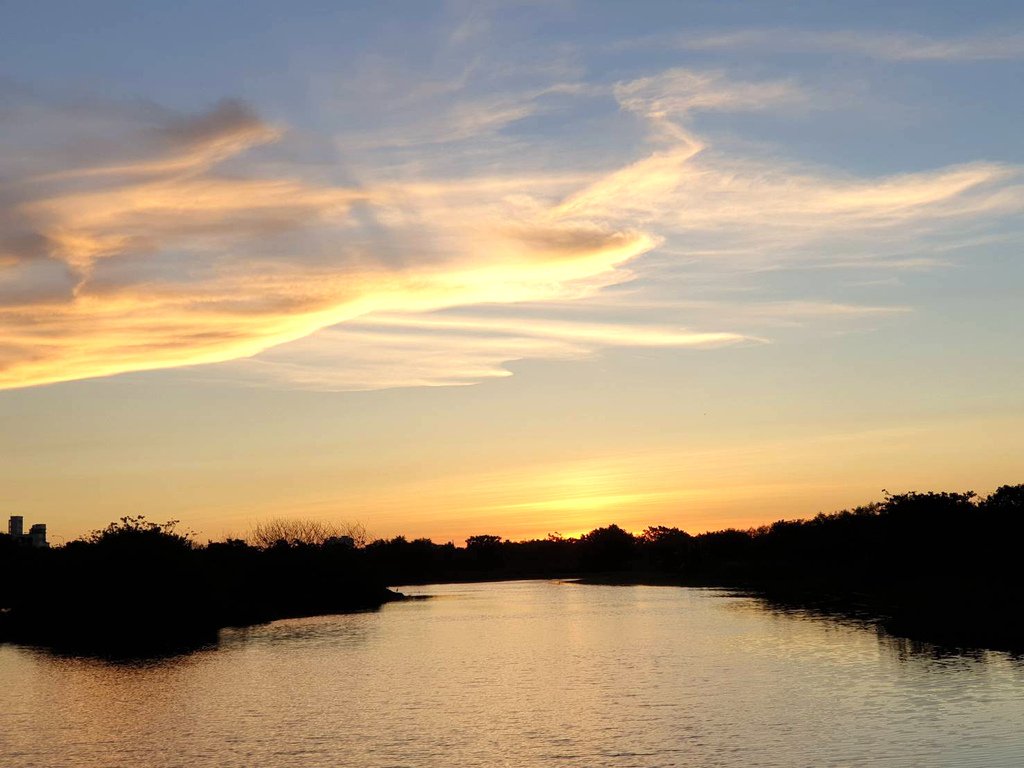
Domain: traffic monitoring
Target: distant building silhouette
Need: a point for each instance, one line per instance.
(36, 535)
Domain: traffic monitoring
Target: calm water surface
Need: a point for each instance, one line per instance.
(524, 674)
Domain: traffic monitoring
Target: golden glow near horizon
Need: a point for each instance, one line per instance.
(694, 277)
(713, 483)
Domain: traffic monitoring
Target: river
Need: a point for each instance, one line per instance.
(530, 673)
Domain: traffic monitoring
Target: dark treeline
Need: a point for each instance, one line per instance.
(139, 587)
(943, 567)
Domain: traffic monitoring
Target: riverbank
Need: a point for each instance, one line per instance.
(961, 618)
(125, 631)
(139, 588)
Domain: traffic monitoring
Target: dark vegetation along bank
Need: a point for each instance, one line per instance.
(942, 567)
(939, 567)
(139, 587)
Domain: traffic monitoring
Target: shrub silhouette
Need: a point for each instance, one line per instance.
(296, 532)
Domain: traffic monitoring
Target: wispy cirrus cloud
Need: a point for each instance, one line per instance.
(751, 213)
(877, 44)
(679, 91)
(743, 204)
(145, 251)
(134, 238)
(384, 351)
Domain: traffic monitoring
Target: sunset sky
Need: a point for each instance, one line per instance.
(459, 268)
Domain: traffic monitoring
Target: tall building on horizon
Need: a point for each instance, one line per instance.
(36, 534)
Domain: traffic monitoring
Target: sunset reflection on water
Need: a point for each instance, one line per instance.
(525, 673)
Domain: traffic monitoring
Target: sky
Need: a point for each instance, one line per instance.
(448, 269)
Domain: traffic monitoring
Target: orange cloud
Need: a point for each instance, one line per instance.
(170, 261)
(148, 240)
